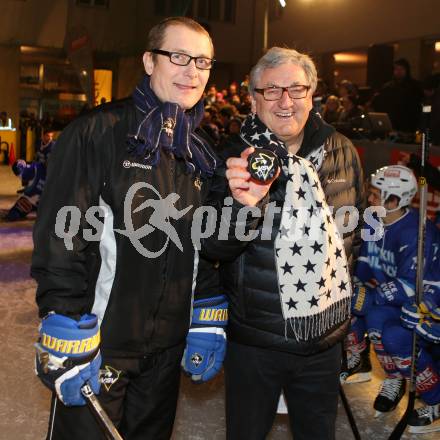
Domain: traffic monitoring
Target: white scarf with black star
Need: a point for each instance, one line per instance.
(313, 278)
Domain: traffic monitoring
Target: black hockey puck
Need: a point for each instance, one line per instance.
(263, 165)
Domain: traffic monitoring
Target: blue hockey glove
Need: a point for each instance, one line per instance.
(19, 166)
(430, 304)
(206, 341)
(410, 315)
(429, 330)
(361, 300)
(68, 356)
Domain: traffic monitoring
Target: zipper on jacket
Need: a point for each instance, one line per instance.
(165, 259)
(240, 284)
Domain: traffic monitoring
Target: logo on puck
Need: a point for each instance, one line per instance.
(263, 165)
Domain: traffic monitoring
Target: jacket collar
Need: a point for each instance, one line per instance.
(316, 132)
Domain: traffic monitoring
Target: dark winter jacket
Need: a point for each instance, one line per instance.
(249, 278)
(143, 300)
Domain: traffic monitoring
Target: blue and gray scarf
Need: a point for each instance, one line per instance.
(166, 126)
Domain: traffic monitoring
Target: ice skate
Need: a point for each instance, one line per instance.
(425, 419)
(357, 368)
(390, 394)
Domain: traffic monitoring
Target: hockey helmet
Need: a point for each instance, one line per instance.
(395, 180)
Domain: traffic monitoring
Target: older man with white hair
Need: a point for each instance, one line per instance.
(288, 288)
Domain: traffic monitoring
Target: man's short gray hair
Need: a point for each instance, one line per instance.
(277, 56)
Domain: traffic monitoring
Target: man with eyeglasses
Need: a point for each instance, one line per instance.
(286, 321)
(116, 305)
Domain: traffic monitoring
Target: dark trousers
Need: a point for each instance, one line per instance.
(254, 378)
(139, 395)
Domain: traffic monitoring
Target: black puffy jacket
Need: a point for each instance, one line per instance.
(248, 274)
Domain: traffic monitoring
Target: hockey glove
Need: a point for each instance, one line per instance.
(361, 300)
(68, 356)
(429, 330)
(206, 340)
(411, 315)
(18, 166)
(430, 305)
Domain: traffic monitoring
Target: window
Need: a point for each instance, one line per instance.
(201, 10)
(214, 10)
(94, 3)
(30, 75)
(181, 7)
(160, 7)
(229, 11)
(172, 8)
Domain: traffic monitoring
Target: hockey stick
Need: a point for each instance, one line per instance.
(349, 413)
(97, 410)
(423, 189)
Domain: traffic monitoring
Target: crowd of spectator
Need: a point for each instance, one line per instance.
(401, 98)
(225, 110)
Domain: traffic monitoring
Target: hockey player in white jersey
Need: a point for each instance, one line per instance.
(385, 277)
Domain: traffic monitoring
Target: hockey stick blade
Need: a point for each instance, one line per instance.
(403, 422)
(109, 428)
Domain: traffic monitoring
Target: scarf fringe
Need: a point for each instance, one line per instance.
(310, 327)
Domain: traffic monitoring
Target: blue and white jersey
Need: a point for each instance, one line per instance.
(390, 263)
(35, 174)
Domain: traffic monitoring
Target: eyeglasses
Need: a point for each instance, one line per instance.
(183, 59)
(273, 93)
